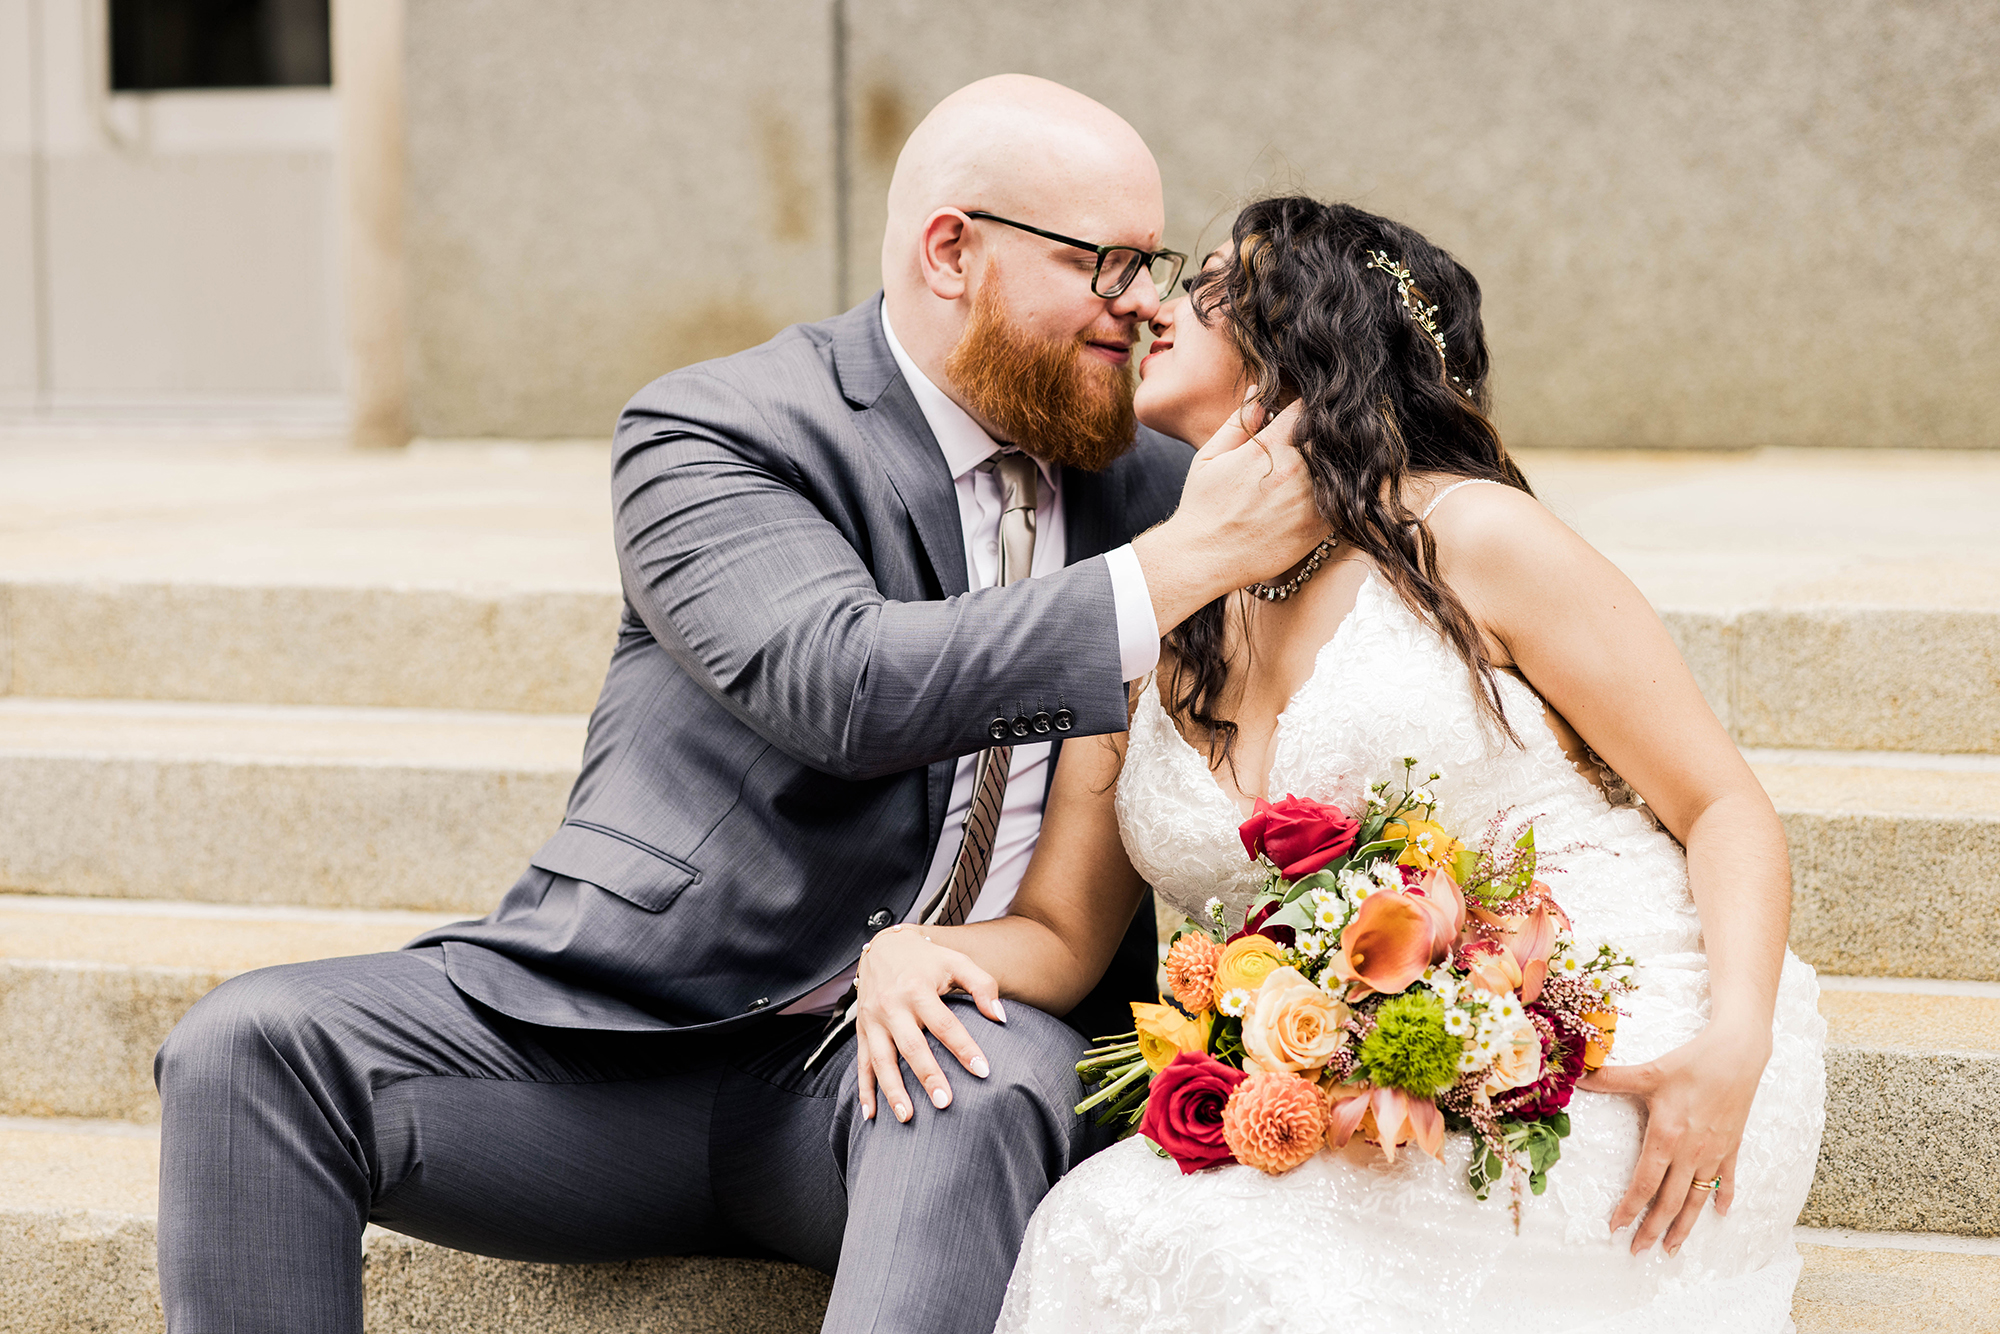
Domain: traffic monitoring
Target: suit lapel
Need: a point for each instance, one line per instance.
(893, 429)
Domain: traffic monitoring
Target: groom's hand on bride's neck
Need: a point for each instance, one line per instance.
(1246, 514)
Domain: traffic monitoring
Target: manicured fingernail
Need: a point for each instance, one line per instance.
(1000, 1011)
(940, 1097)
(902, 1112)
(980, 1068)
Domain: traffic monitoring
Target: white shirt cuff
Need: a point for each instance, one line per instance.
(1138, 630)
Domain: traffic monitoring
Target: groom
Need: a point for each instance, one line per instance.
(785, 759)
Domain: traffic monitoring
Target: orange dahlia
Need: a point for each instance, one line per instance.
(1274, 1121)
(1191, 971)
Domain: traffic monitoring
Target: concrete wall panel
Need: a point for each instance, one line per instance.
(1700, 224)
(190, 273)
(599, 193)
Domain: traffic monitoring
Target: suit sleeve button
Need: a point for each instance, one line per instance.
(1041, 722)
(879, 919)
(1064, 720)
(997, 729)
(1021, 727)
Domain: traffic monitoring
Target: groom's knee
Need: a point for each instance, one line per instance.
(1033, 1089)
(251, 1027)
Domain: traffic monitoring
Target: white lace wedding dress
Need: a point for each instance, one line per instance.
(1346, 1241)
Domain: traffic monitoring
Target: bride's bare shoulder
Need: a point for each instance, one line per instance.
(1498, 527)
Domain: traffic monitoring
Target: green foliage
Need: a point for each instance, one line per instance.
(1540, 1142)
(1409, 1048)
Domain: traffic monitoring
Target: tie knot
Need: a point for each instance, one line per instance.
(1018, 477)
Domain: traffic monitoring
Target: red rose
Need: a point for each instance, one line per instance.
(1298, 835)
(1184, 1110)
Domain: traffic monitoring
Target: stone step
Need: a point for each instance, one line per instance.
(1913, 1066)
(78, 1200)
(1896, 856)
(1824, 599)
(1836, 676)
(1912, 1097)
(1895, 860)
(111, 977)
(77, 1206)
(327, 807)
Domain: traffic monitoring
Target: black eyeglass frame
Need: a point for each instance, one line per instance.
(1146, 257)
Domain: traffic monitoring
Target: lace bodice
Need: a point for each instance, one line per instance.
(1383, 687)
(1346, 1241)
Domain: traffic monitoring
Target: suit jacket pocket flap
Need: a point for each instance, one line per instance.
(640, 875)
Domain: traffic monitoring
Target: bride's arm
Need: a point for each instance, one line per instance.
(1589, 644)
(1072, 910)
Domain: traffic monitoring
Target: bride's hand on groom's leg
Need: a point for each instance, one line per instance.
(903, 978)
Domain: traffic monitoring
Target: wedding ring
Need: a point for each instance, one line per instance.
(1708, 1185)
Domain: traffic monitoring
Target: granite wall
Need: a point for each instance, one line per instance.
(1697, 225)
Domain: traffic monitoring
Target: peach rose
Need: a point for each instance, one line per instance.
(1490, 966)
(1274, 1121)
(1246, 961)
(1292, 1024)
(1165, 1033)
(1517, 1066)
(1191, 962)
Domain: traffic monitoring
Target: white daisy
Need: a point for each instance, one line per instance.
(1457, 1022)
(1568, 965)
(1311, 944)
(1234, 1002)
(1508, 1011)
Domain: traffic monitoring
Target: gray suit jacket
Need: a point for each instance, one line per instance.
(798, 668)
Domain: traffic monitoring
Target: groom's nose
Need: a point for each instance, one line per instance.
(1138, 303)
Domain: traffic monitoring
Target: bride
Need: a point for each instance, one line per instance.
(1452, 618)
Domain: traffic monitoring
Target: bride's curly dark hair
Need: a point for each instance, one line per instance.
(1312, 321)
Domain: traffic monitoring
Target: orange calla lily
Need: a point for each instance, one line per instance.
(1386, 947)
(1439, 895)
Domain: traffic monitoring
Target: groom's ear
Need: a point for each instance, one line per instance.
(943, 253)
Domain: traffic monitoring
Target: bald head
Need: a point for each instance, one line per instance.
(1037, 153)
(1021, 147)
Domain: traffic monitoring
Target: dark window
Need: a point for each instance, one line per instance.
(219, 44)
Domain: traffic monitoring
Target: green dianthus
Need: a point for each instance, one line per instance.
(1409, 1048)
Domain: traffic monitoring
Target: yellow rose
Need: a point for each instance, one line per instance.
(1246, 962)
(1292, 1024)
(1429, 846)
(1165, 1033)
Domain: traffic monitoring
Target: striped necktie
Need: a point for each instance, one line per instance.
(1019, 480)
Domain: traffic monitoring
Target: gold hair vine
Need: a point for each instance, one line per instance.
(1425, 316)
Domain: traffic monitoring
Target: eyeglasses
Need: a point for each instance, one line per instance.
(1117, 265)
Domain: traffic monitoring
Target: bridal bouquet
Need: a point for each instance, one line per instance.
(1388, 980)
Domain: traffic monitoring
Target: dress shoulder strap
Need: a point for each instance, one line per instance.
(1438, 499)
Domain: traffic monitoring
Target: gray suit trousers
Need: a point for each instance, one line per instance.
(300, 1103)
